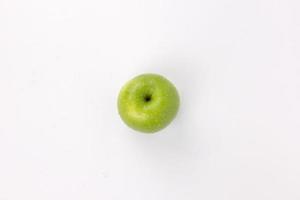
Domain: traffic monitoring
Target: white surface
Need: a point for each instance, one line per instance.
(237, 67)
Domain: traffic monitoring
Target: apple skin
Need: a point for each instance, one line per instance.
(148, 103)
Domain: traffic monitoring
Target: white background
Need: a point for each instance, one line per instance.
(236, 64)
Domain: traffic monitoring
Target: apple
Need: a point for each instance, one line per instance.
(148, 103)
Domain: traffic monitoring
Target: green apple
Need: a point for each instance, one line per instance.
(148, 103)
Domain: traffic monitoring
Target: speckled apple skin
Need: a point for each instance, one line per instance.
(148, 103)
